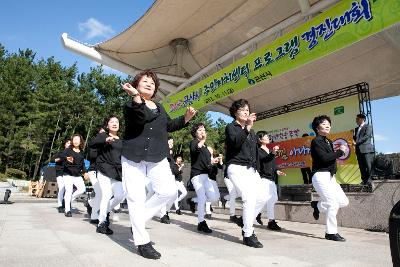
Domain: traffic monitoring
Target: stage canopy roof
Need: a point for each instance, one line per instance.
(185, 41)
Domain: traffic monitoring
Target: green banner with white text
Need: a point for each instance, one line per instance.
(347, 22)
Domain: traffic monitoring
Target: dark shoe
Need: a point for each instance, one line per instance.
(96, 221)
(68, 214)
(61, 209)
(314, 205)
(89, 209)
(192, 205)
(239, 221)
(258, 219)
(334, 237)
(178, 211)
(167, 216)
(233, 218)
(102, 228)
(148, 251)
(164, 219)
(203, 227)
(211, 209)
(252, 241)
(207, 216)
(108, 219)
(272, 225)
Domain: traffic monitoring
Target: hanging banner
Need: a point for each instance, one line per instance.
(347, 22)
(296, 153)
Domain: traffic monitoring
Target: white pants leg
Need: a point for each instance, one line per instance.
(61, 190)
(134, 183)
(272, 198)
(69, 182)
(205, 191)
(248, 184)
(182, 189)
(216, 195)
(231, 197)
(149, 188)
(208, 207)
(95, 201)
(332, 198)
(109, 188)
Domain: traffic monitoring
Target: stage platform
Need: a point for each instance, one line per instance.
(369, 206)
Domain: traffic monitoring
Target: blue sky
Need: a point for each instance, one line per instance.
(38, 25)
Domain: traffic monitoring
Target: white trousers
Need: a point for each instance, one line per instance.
(231, 197)
(181, 188)
(206, 190)
(208, 203)
(272, 198)
(94, 202)
(249, 185)
(109, 188)
(134, 183)
(61, 190)
(69, 182)
(332, 198)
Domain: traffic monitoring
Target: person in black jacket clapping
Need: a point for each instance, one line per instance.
(324, 168)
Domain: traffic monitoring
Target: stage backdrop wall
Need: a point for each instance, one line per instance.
(294, 124)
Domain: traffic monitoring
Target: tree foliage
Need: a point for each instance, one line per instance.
(44, 102)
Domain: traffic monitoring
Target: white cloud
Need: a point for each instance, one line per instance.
(93, 28)
(380, 137)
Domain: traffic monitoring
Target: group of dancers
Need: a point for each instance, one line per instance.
(142, 169)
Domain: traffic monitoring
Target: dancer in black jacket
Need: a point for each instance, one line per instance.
(144, 155)
(109, 171)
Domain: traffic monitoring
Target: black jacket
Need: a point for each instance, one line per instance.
(200, 159)
(92, 158)
(267, 166)
(77, 167)
(213, 171)
(323, 156)
(241, 146)
(59, 164)
(146, 132)
(176, 172)
(108, 160)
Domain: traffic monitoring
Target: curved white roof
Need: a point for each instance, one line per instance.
(179, 38)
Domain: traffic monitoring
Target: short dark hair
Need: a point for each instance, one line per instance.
(236, 105)
(195, 127)
(318, 120)
(170, 137)
(82, 144)
(261, 134)
(361, 116)
(106, 120)
(177, 156)
(305, 134)
(66, 140)
(148, 73)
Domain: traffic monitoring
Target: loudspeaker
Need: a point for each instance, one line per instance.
(382, 166)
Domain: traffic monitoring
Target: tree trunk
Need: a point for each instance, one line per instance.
(54, 135)
(37, 165)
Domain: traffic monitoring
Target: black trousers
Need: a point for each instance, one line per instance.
(307, 175)
(365, 164)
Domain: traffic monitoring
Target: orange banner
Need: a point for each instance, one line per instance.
(296, 153)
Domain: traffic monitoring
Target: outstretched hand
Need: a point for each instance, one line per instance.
(190, 113)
